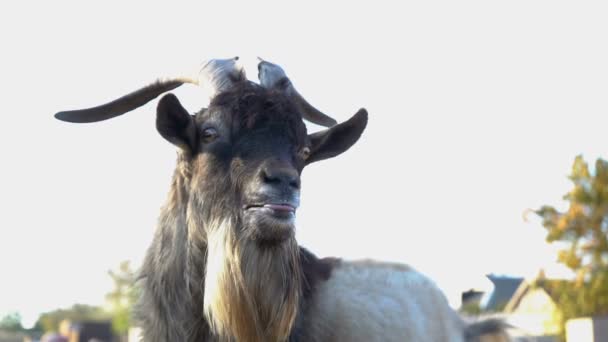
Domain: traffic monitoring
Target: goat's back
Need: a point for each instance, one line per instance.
(371, 301)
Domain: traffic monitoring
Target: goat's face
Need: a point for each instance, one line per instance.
(246, 153)
(253, 142)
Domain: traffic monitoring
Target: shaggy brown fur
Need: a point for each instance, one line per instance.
(250, 293)
(207, 275)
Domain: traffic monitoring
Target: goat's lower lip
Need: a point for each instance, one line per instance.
(281, 209)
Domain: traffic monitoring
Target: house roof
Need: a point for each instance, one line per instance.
(504, 289)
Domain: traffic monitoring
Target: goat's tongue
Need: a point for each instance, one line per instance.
(279, 207)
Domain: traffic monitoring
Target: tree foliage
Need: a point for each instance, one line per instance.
(11, 322)
(122, 298)
(120, 302)
(582, 230)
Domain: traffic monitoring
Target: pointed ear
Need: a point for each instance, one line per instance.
(333, 141)
(175, 124)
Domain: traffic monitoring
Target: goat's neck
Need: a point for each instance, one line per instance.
(251, 292)
(248, 292)
(169, 310)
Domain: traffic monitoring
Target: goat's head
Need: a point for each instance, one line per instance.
(239, 168)
(247, 149)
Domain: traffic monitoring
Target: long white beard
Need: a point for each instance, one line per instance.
(251, 291)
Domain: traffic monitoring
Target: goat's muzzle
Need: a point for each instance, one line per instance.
(270, 205)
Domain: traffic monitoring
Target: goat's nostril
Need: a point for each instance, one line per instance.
(281, 177)
(295, 183)
(271, 178)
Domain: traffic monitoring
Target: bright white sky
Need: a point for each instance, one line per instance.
(477, 109)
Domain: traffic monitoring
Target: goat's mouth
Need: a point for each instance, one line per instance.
(270, 222)
(278, 210)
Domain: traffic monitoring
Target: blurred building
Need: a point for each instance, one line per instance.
(534, 309)
(82, 331)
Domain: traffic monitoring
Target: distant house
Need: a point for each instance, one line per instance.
(504, 289)
(528, 305)
(494, 295)
(87, 331)
(470, 299)
(82, 331)
(533, 308)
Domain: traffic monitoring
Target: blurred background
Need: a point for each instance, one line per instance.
(481, 165)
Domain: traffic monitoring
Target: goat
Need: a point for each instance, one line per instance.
(224, 264)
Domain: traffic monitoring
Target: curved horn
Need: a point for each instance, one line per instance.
(216, 75)
(121, 105)
(272, 76)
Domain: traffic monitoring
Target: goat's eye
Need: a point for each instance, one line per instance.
(304, 153)
(209, 134)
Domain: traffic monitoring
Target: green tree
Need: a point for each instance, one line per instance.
(122, 298)
(11, 322)
(582, 230)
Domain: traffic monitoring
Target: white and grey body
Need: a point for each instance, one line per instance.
(370, 301)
